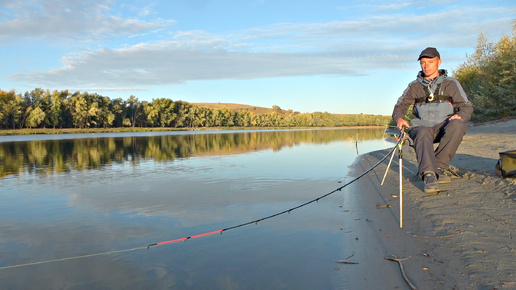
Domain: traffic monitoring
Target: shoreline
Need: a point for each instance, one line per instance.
(462, 238)
(65, 131)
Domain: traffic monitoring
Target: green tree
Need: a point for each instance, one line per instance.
(32, 100)
(55, 110)
(119, 109)
(35, 117)
(183, 116)
(160, 112)
(78, 108)
(11, 109)
(104, 114)
(277, 109)
(134, 111)
(489, 77)
(200, 115)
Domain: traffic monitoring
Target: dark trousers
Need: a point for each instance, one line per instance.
(448, 134)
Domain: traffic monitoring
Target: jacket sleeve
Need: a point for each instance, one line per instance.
(462, 105)
(404, 102)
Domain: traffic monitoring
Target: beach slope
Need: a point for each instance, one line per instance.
(461, 238)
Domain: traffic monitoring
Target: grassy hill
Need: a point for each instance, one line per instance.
(234, 107)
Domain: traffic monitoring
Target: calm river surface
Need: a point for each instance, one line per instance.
(72, 196)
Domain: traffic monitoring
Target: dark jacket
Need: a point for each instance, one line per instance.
(448, 99)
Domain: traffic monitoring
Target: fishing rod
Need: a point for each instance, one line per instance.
(212, 232)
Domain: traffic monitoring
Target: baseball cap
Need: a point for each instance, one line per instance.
(430, 52)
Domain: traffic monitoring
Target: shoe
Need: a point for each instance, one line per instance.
(442, 178)
(431, 186)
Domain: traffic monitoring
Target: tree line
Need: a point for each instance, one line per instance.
(41, 108)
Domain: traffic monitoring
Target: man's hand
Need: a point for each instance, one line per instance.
(455, 117)
(401, 124)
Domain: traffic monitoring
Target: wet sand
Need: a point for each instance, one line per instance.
(462, 238)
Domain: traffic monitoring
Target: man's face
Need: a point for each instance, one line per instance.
(430, 66)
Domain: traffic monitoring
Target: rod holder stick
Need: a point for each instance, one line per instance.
(389, 165)
(401, 189)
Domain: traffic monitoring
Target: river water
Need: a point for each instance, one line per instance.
(78, 211)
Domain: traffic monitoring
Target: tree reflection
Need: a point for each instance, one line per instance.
(58, 156)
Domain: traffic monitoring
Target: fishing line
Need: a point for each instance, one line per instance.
(213, 232)
(285, 211)
(72, 258)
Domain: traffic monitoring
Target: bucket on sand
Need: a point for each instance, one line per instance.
(506, 165)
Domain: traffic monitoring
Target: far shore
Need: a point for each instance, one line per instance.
(41, 131)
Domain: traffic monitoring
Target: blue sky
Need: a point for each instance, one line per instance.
(331, 56)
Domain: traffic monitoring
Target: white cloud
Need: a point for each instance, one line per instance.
(170, 63)
(60, 19)
(396, 6)
(347, 48)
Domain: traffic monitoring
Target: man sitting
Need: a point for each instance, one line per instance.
(441, 110)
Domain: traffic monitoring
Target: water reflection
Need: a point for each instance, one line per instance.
(73, 197)
(57, 156)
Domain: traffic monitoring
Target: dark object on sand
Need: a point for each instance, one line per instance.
(506, 165)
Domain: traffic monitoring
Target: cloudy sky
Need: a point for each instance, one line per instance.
(313, 55)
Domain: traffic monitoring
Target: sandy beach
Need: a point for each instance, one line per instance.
(462, 238)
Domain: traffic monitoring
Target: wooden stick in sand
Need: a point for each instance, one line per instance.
(402, 270)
